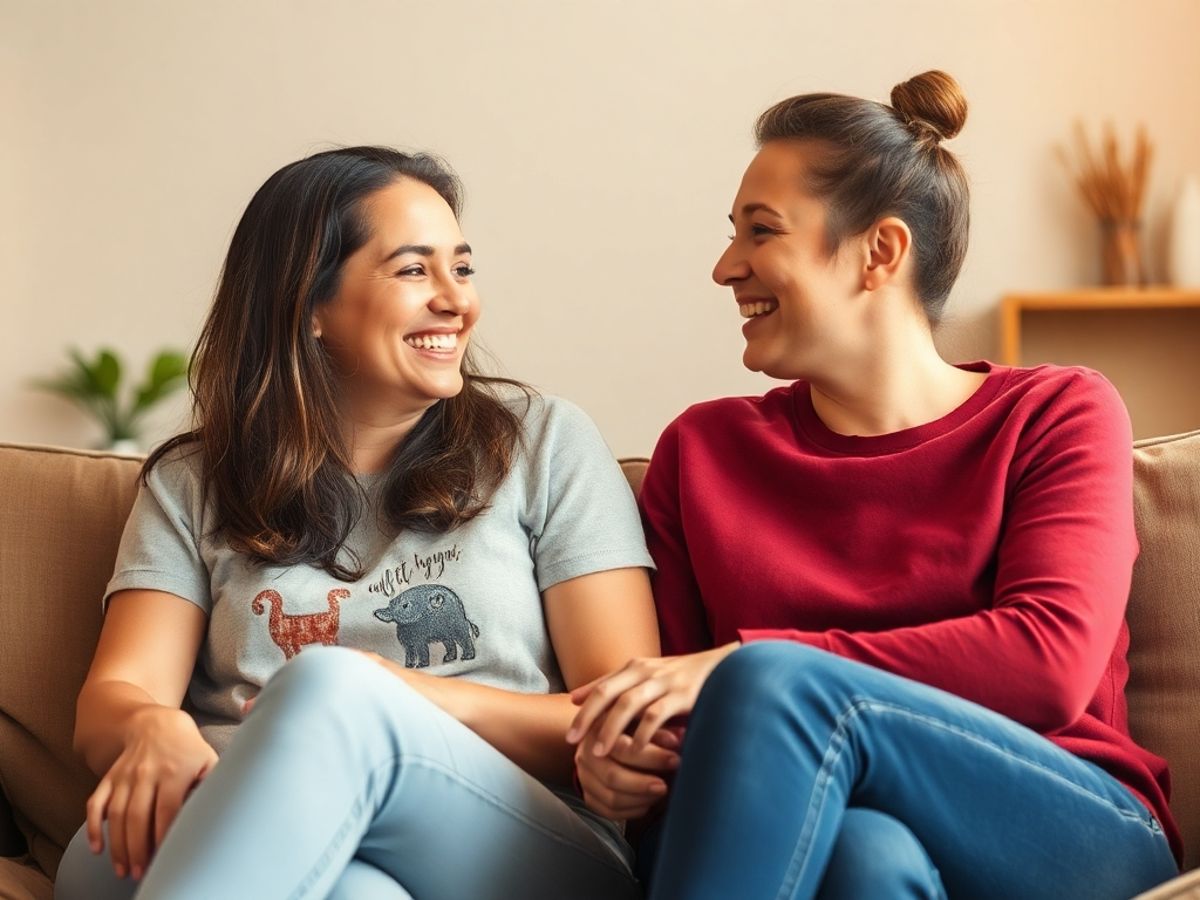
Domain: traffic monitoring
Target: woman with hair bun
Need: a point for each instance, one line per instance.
(893, 592)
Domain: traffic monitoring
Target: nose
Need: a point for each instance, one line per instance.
(731, 265)
(452, 295)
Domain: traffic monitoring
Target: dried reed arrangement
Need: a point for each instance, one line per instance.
(1114, 191)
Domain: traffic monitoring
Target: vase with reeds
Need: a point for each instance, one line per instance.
(1114, 190)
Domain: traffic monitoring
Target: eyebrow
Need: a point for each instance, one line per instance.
(424, 250)
(755, 207)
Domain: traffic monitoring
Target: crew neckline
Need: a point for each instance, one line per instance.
(872, 445)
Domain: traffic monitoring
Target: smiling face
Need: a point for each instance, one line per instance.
(794, 294)
(400, 322)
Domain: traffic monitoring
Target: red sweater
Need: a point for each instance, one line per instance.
(987, 553)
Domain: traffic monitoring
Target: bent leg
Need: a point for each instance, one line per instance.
(84, 875)
(878, 856)
(785, 738)
(362, 881)
(341, 759)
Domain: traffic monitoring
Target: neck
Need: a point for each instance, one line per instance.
(372, 432)
(892, 380)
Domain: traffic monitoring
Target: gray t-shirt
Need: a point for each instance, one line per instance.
(465, 602)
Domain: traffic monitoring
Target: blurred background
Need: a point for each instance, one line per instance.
(601, 145)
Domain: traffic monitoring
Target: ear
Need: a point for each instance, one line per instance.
(889, 245)
(316, 325)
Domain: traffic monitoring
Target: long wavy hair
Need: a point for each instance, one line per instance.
(265, 412)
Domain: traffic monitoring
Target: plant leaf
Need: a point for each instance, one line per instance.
(167, 374)
(107, 372)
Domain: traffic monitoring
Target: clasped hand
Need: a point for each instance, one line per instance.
(622, 773)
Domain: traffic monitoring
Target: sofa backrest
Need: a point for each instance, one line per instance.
(1164, 620)
(62, 519)
(60, 523)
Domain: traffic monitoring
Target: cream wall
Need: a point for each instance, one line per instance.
(601, 144)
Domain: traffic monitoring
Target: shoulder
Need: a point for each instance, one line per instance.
(179, 471)
(1053, 396)
(546, 418)
(729, 417)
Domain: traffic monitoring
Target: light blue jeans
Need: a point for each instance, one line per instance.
(345, 782)
(807, 775)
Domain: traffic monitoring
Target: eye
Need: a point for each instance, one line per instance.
(761, 230)
(463, 271)
(414, 270)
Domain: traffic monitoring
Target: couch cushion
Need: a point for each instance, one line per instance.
(1164, 620)
(61, 520)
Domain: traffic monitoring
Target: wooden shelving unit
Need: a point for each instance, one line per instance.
(1145, 340)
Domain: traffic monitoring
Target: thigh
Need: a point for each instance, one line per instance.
(1000, 810)
(84, 875)
(469, 822)
(340, 759)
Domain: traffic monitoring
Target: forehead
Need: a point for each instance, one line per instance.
(410, 211)
(776, 174)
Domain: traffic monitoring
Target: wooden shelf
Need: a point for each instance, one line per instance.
(1145, 340)
(1123, 298)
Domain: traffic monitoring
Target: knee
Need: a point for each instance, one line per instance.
(876, 855)
(759, 674)
(320, 680)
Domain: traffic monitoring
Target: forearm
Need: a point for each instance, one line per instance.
(530, 729)
(106, 714)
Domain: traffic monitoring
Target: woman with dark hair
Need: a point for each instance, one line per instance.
(926, 567)
(356, 515)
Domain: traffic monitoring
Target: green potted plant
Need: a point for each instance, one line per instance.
(95, 386)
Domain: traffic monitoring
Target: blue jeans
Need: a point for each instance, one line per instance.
(807, 775)
(345, 782)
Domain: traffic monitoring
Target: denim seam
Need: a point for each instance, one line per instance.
(833, 752)
(438, 766)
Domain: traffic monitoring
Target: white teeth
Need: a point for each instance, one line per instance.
(757, 308)
(433, 341)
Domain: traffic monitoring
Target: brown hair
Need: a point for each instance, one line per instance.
(265, 393)
(878, 160)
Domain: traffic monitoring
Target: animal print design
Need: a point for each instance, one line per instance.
(430, 614)
(290, 633)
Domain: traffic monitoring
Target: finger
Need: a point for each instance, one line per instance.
(97, 807)
(667, 738)
(604, 772)
(603, 694)
(166, 807)
(652, 758)
(139, 826)
(248, 705)
(624, 711)
(116, 829)
(584, 691)
(656, 714)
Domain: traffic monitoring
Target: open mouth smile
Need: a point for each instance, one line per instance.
(443, 343)
(755, 308)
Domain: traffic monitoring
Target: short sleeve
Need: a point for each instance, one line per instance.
(583, 517)
(160, 546)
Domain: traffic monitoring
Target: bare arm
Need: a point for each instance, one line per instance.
(597, 623)
(129, 727)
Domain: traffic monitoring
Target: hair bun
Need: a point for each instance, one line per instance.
(932, 100)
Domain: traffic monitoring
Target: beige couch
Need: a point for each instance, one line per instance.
(61, 522)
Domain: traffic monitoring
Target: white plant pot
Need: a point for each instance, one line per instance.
(1183, 243)
(125, 448)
